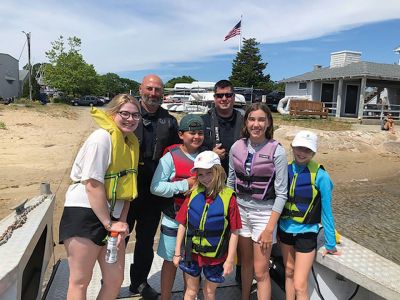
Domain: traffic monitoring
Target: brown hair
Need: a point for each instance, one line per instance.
(115, 104)
(269, 133)
(217, 183)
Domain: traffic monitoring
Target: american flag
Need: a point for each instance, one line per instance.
(235, 31)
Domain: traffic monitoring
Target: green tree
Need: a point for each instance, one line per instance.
(248, 68)
(183, 79)
(67, 70)
(35, 84)
(111, 84)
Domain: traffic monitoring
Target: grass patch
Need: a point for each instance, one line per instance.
(3, 125)
(52, 110)
(328, 124)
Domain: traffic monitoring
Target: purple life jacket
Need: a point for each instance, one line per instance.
(260, 182)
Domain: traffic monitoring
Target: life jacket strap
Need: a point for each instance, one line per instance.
(117, 176)
(291, 213)
(248, 190)
(204, 249)
(298, 199)
(250, 178)
(203, 233)
(169, 231)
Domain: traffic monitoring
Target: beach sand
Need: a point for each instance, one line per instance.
(40, 144)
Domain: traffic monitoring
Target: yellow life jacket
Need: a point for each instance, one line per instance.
(121, 176)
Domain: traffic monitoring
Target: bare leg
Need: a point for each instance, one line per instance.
(168, 272)
(303, 264)
(112, 274)
(246, 251)
(209, 290)
(82, 254)
(192, 287)
(261, 272)
(288, 255)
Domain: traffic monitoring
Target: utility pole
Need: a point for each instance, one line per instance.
(28, 37)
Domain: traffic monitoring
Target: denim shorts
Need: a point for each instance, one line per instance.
(212, 273)
(254, 222)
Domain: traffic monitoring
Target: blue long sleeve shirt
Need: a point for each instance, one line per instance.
(324, 184)
(161, 184)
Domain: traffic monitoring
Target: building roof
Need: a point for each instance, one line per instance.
(354, 70)
(5, 54)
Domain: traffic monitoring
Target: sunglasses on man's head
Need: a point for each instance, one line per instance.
(221, 95)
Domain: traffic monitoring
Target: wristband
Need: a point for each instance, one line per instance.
(177, 255)
(109, 226)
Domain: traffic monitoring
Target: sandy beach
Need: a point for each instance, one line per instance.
(39, 144)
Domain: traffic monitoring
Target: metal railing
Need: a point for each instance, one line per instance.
(378, 111)
(371, 111)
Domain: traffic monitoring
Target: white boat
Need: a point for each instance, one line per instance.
(357, 274)
(207, 98)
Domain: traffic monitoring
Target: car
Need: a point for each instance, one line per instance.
(6, 100)
(87, 100)
(104, 100)
(272, 99)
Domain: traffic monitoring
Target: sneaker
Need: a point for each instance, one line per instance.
(145, 290)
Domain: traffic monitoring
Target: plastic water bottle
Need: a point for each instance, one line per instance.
(111, 254)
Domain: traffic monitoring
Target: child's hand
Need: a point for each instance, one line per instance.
(334, 251)
(228, 268)
(191, 181)
(265, 240)
(176, 260)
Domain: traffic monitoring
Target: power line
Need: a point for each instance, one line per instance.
(22, 51)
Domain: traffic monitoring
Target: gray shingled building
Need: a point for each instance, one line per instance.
(348, 84)
(9, 76)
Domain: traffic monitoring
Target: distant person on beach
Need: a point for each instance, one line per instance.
(223, 126)
(388, 123)
(309, 203)
(258, 173)
(94, 204)
(208, 223)
(157, 130)
(172, 179)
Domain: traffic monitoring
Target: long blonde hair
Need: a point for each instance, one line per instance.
(115, 104)
(217, 183)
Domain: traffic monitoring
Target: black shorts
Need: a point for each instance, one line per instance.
(302, 242)
(81, 222)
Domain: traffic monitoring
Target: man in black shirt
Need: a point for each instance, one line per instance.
(157, 130)
(223, 123)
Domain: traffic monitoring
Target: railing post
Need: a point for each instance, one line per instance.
(45, 188)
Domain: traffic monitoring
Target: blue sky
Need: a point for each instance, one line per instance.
(185, 37)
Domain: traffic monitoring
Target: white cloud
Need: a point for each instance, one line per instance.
(135, 35)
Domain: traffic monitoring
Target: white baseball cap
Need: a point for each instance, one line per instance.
(306, 139)
(205, 160)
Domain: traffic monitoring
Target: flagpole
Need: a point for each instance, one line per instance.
(240, 39)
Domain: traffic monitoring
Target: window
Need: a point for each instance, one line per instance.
(302, 85)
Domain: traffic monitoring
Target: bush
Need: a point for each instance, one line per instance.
(2, 125)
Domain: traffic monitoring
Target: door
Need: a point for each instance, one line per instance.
(350, 108)
(327, 94)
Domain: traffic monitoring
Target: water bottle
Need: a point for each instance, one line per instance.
(111, 254)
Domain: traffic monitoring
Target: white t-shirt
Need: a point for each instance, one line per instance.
(92, 162)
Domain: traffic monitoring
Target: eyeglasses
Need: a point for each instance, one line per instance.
(126, 114)
(221, 95)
